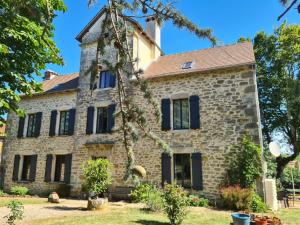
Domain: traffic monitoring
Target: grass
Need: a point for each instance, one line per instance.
(25, 200)
(135, 216)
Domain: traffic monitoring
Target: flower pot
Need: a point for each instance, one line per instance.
(97, 204)
(240, 219)
(261, 222)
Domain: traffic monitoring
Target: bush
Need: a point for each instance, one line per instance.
(16, 211)
(2, 193)
(257, 204)
(154, 201)
(195, 200)
(97, 176)
(19, 190)
(175, 203)
(236, 198)
(141, 192)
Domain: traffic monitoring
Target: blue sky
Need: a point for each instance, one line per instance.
(229, 19)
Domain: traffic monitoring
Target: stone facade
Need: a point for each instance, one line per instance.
(228, 108)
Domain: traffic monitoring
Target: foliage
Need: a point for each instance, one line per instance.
(289, 4)
(16, 212)
(176, 202)
(140, 193)
(287, 178)
(236, 198)
(19, 190)
(97, 175)
(2, 193)
(195, 200)
(117, 30)
(154, 201)
(278, 65)
(26, 46)
(246, 164)
(257, 204)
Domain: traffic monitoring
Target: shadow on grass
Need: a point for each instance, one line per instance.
(150, 222)
(66, 208)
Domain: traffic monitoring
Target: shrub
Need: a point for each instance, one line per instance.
(257, 204)
(154, 201)
(19, 190)
(236, 198)
(97, 176)
(2, 193)
(141, 192)
(175, 203)
(195, 200)
(16, 211)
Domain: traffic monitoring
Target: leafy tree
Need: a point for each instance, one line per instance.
(278, 63)
(116, 31)
(26, 46)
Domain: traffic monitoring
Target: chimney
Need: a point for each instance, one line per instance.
(49, 75)
(153, 29)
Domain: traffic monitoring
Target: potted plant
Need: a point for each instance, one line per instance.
(97, 179)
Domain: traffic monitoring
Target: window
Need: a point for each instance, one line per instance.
(59, 168)
(107, 79)
(64, 123)
(102, 121)
(187, 65)
(181, 114)
(26, 168)
(31, 125)
(182, 170)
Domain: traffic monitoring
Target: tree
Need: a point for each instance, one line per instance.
(26, 46)
(116, 31)
(278, 63)
(288, 4)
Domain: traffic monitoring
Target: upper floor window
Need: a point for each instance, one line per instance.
(107, 79)
(31, 125)
(102, 120)
(181, 114)
(64, 122)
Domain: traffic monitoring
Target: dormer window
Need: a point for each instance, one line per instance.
(187, 65)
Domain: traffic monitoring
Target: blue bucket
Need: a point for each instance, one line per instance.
(240, 219)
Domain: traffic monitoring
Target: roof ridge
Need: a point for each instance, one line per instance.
(208, 48)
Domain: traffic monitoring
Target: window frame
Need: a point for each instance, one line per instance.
(61, 179)
(182, 171)
(181, 118)
(27, 159)
(103, 131)
(30, 132)
(106, 84)
(65, 130)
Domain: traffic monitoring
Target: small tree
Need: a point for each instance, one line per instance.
(16, 212)
(175, 202)
(97, 176)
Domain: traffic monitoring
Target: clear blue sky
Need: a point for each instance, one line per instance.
(229, 19)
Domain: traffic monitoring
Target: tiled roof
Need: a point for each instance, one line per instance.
(203, 60)
(61, 83)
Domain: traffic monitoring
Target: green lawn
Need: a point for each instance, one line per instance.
(134, 216)
(26, 201)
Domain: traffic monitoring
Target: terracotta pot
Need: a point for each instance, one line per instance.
(261, 222)
(97, 204)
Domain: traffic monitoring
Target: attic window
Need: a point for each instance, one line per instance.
(187, 65)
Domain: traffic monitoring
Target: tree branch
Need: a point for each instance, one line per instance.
(287, 9)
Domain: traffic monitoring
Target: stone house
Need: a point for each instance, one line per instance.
(208, 100)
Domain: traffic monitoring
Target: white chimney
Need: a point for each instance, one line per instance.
(153, 29)
(49, 75)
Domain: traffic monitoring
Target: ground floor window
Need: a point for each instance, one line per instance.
(26, 168)
(59, 168)
(182, 169)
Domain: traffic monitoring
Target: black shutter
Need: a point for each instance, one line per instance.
(15, 175)
(71, 121)
(68, 167)
(33, 162)
(166, 168)
(52, 123)
(38, 123)
(166, 111)
(21, 127)
(111, 118)
(112, 80)
(48, 168)
(194, 112)
(90, 120)
(197, 178)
